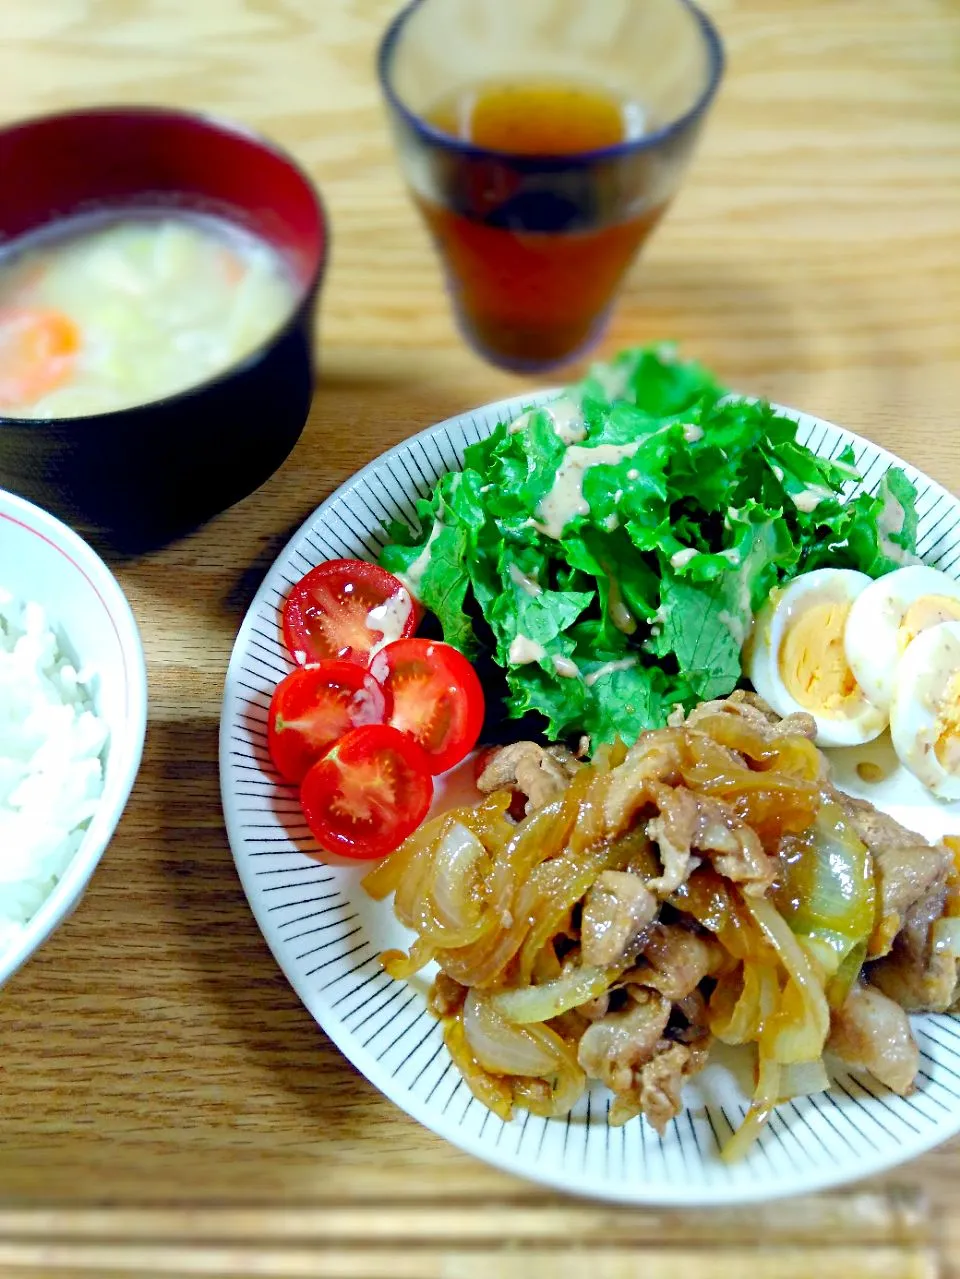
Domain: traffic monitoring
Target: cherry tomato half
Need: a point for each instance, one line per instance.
(436, 697)
(328, 613)
(314, 706)
(368, 793)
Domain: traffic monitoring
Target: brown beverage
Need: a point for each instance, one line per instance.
(530, 289)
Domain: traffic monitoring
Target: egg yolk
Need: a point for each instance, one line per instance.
(947, 746)
(813, 665)
(927, 611)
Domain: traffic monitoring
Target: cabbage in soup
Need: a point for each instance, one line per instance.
(104, 317)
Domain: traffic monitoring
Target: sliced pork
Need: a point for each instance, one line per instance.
(869, 1030)
(614, 1048)
(675, 961)
(615, 910)
(542, 775)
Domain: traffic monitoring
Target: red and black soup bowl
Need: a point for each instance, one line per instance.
(139, 476)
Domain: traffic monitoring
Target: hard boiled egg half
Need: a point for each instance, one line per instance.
(925, 711)
(796, 657)
(887, 616)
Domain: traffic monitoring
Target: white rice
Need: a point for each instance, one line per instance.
(51, 762)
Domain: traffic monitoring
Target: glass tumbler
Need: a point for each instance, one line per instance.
(535, 245)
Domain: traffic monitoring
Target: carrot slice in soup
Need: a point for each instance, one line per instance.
(38, 350)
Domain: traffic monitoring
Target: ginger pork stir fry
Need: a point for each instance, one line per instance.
(708, 883)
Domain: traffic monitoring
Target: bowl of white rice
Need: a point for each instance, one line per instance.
(73, 710)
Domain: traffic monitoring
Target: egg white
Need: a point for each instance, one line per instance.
(924, 703)
(875, 637)
(860, 720)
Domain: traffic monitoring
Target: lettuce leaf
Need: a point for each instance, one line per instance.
(696, 506)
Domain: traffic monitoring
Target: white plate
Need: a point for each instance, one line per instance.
(326, 934)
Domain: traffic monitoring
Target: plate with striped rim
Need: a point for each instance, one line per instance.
(326, 934)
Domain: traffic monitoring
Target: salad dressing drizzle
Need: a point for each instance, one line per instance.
(565, 500)
(524, 650)
(609, 668)
(566, 668)
(390, 618)
(412, 578)
(527, 584)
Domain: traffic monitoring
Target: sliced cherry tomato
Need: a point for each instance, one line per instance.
(436, 696)
(368, 793)
(314, 706)
(328, 612)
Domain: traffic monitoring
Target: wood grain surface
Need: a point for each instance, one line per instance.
(167, 1106)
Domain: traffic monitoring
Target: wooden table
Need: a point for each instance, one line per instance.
(167, 1105)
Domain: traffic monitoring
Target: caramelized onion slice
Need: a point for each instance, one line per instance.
(827, 892)
(393, 870)
(557, 1097)
(803, 1078)
(412, 888)
(759, 997)
(495, 1093)
(564, 882)
(540, 1003)
(790, 752)
(400, 966)
(504, 1049)
(799, 1028)
(455, 887)
(764, 1100)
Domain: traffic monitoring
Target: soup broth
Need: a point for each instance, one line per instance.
(99, 317)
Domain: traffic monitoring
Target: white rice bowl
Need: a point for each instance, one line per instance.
(52, 747)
